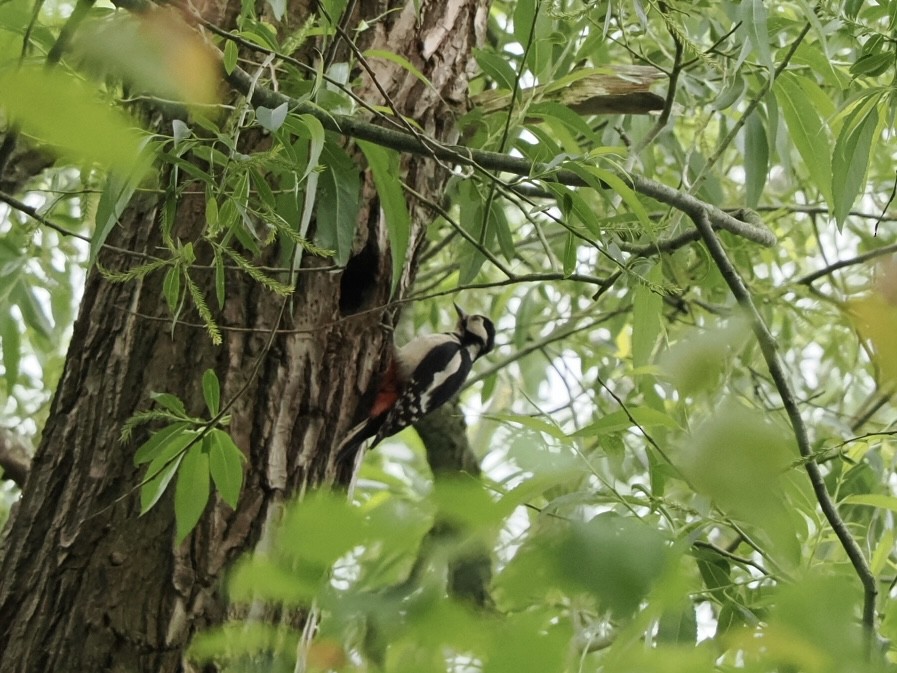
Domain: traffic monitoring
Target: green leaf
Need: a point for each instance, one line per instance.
(161, 441)
(269, 119)
(562, 121)
(240, 639)
(872, 65)
(170, 402)
(731, 94)
(678, 626)
(646, 318)
(732, 452)
(192, 491)
(211, 391)
(524, 12)
(226, 466)
(332, 10)
(573, 205)
(796, 96)
(753, 17)
(700, 359)
(340, 192)
(468, 504)
(623, 419)
(260, 33)
(756, 160)
(888, 502)
(316, 145)
(471, 219)
(400, 61)
(602, 179)
(262, 578)
(851, 158)
(530, 641)
(617, 558)
(532, 423)
(65, 114)
(12, 350)
(230, 56)
(883, 548)
(116, 195)
(219, 279)
(32, 310)
(385, 170)
(260, 182)
(171, 288)
(496, 68)
(498, 222)
(211, 212)
(307, 126)
(323, 529)
(570, 249)
(152, 489)
(614, 558)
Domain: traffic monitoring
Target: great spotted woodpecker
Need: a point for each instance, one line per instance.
(422, 375)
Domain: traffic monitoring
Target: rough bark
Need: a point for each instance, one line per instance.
(86, 584)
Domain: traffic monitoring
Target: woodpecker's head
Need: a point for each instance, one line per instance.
(475, 331)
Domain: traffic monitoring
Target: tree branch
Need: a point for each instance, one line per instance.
(777, 371)
(485, 160)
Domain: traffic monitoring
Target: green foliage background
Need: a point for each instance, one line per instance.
(645, 502)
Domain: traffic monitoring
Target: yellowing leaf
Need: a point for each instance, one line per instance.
(154, 51)
(875, 318)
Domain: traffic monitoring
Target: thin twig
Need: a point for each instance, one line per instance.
(569, 329)
(859, 259)
(885, 207)
(815, 209)
(664, 117)
(33, 214)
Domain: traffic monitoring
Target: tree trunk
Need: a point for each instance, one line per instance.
(86, 584)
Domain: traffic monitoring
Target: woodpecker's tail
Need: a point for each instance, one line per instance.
(357, 436)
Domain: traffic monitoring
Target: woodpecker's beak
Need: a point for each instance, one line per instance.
(461, 313)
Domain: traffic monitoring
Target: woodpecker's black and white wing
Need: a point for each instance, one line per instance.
(439, 371)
